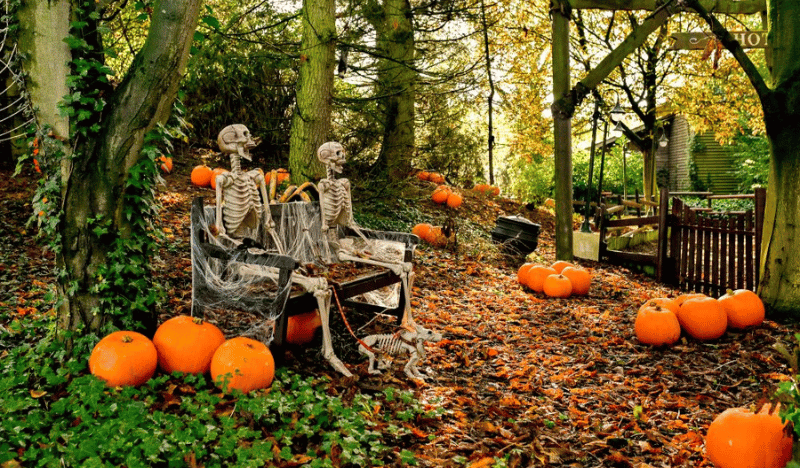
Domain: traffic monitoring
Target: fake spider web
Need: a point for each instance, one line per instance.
(217, 285)
(14, 105)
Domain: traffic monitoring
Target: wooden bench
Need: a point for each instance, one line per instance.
(287, 300)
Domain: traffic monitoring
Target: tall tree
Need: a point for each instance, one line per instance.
(104, 206)
(311, 122)
(396, 83)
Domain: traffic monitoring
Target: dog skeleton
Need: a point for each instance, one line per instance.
(404, 341)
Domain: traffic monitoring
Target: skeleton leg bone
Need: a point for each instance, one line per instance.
(323, 296)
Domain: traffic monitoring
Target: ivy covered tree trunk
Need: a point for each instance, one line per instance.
(105, 228)
(311, 122)
(396, 86)
(780, 273)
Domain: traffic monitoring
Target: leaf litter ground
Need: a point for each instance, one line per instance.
(521, 377)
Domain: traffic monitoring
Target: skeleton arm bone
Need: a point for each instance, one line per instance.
(269, 224)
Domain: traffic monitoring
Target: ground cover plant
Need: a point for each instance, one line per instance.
(520, 379)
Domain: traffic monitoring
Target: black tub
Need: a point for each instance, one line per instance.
(516, 235)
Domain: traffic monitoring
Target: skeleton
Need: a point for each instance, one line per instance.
(240, 210)
(404, 341)
(337, 210)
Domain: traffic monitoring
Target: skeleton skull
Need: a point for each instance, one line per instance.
(236, 138)
(332, 155)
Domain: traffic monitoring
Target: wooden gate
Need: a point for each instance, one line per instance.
(711, 252)
(702, 250)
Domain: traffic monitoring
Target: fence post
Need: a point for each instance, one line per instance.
(661, 255)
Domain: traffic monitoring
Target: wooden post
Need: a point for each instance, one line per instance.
(661, 254)
(562, 130)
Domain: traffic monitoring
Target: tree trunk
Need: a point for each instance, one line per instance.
(311, 123)
(396, 88)
(779, 285)
(95, 205)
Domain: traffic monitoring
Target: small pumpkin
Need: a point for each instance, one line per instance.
(744, 308)
(214, 173)
(422, 230)
(664, 302)
(201, 175)
(166, 163)
(739, 438)
(560, 265)
(494, 190)
(580, 278)
(423, 175)
(557, 286)
(703, 318)
(656, 325)
(186, 344)
(242, 364)
(454, 200)
(440, 194)
(124, 358)
(522, 272)
(536, 276)
(436, 178)
(300, 329)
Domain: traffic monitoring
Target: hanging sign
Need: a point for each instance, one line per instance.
(698, 40)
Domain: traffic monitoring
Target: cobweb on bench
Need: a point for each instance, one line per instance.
(299, 225)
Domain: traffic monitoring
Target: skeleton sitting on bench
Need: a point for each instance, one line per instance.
(243, 208)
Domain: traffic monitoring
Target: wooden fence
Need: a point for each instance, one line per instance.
(698, 249)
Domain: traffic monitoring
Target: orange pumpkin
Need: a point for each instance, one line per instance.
(557, 286)
(166, 163)
(494, 191)
(536, 276)
(423, 175)
(656, 325)
(436, 178)
(664, 302)
(738, 438)
(217, 171)
(744, 308)
(685, 297)
(201, 175)
(580, 278)
(124, 358)
(422, 230)
(454, 200)
(440, 194)
(242, 364)
(703, 318)
(186, 344)
(522, 273)
(300, 328)
(560, 265)
(436, 236)
(481, 188)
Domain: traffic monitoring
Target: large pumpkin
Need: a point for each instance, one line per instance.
(656, 325)
(560, 265)
(186, 344)
(214, 173)
(536, 276)
(422, 230)
(664, 302)
(454, 200)
(243, 364)
(744, 308)
(522, 273)
(738, 438)
(201, 176)
(300, 328)
(580, 278)
(703, 318)
(557, 286)
(124, 358)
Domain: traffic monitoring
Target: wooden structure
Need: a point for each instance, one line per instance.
(282, 300)
(698, 249)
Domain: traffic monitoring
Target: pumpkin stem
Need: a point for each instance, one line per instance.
(197, 320)
(127, 339)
